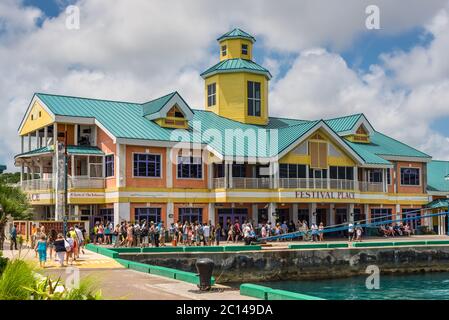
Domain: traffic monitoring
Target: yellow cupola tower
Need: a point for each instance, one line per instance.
(237, 87)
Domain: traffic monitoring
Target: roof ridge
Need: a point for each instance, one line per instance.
(348, 116)
(84, 98)
(164, 96)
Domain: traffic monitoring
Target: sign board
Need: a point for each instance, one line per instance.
(324, 195)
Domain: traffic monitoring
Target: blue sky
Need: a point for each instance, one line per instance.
(130, 51)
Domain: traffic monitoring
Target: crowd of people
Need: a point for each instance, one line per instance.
(63, 249)
(66, 248)
(396, 230)
(148, 233)
(145, 234)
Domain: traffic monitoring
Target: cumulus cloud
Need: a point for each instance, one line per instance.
(138, 50)
(402, 96)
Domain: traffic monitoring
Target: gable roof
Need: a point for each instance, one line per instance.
(236, 65)
(237, 33)
(437, 171)
(156, 105)
(158, 108)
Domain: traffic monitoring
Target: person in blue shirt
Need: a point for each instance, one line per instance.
(13, 237)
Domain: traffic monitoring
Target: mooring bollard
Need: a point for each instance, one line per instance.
(205, 267)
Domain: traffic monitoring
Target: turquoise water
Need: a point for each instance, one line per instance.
(432, 286)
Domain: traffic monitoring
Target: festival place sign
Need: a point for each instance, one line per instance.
(325, 195)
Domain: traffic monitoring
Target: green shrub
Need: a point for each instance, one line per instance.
(17, 276)
(3, 262)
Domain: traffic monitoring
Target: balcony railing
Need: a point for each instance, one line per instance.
(371, 186)
(251, 183)
(301, 183)
(36, 184)
(86, 183)
(73, 183)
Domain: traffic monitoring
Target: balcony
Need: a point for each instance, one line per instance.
(301, 183)
(86, 183)
(371, 186)
(36, 184)
(73, 183)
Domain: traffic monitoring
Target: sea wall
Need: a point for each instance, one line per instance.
(272, 265)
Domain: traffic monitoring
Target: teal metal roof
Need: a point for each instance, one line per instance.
(343, 124)
(35, 152)
(82, 150)
(156, 105)
(438, 204)
(383, 145)
(237, 34)
(125, 120)
(437, 173)
(236, 65)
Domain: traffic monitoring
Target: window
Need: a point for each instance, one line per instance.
(318, 154)
(109, 165)
(190, 214)
(410, 176)
(292, 171)
(190, 168)
(223, 50)
(147, 165)
(96, 167)
(219, 170)
(388, 176)
(238, 171)
(375, 176)
(379, 214)
(254, 98)
(148, 215)
(244, 49)
(211, 94)
(341, 173)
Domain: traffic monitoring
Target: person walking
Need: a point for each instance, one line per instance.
(13, 237)
(41, 249)
(51, 242)
(60, 249)
(217, 234)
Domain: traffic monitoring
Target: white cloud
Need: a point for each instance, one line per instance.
(404, 105)
(137, 50)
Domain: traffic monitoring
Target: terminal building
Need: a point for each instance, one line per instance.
(90, 159)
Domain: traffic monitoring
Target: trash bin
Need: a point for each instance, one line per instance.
(205, 267)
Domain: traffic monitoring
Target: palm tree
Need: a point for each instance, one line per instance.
(14, 203)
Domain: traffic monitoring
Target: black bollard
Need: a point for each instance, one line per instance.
(205, 267)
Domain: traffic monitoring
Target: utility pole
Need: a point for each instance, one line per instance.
(66, 197)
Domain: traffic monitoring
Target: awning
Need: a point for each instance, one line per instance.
(72, 150)
(438, 204)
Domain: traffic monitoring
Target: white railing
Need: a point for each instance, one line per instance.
(219, 183)
(86, 183)
(251, 183)
(36, 184)
(371, 186)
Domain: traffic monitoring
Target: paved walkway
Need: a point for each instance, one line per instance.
(117, 282)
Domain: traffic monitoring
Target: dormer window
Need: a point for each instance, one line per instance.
(244, 49)
(223, 50)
